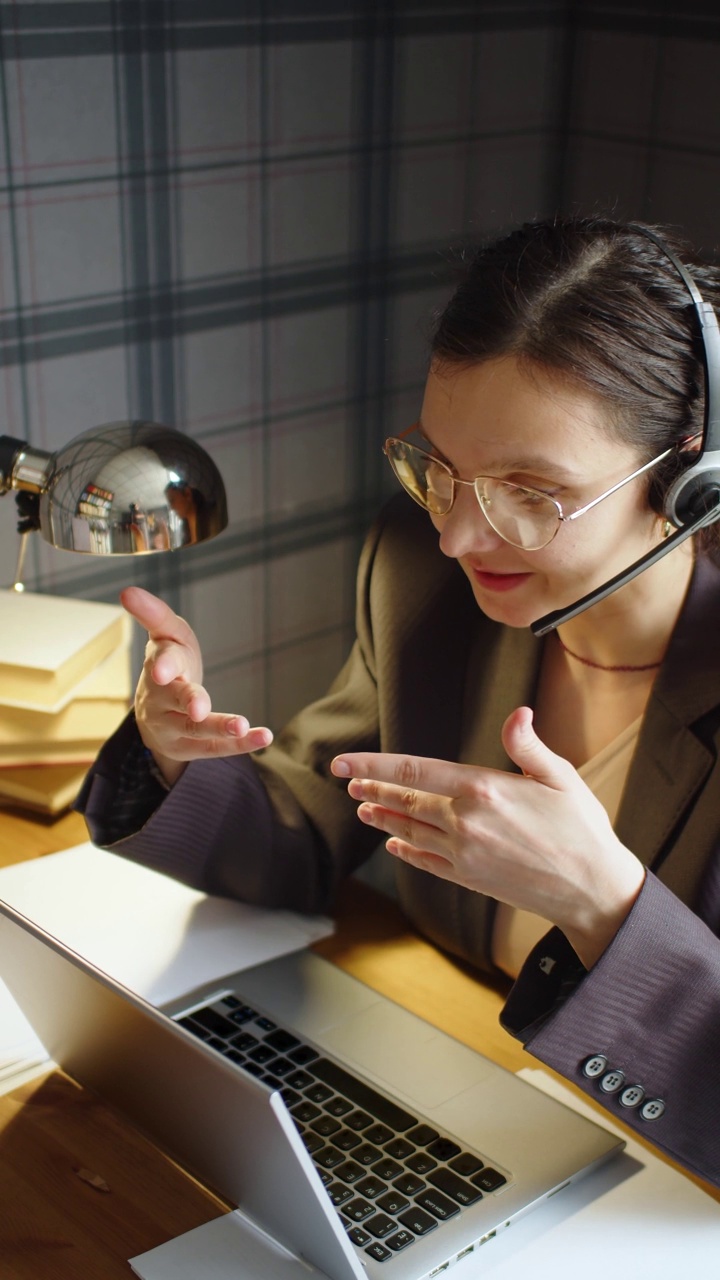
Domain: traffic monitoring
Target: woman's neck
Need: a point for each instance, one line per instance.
(631, 629)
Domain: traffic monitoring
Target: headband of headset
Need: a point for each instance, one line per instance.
(697, 489)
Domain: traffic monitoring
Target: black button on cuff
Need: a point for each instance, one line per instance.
(652, 1109)
(594, 1066)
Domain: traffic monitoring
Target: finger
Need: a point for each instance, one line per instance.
(158, 619)
(531, 755)
(421, 859)
(418, 773)
(217, 735)
(167, 661)
(421, 834)
(424, 806)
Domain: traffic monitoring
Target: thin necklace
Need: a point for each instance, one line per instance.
(600, 666)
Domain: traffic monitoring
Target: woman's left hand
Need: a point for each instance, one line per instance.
(539, 841)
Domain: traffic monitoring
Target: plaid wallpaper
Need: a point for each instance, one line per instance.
(234, 217)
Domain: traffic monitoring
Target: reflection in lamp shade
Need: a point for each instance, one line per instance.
(130, 487)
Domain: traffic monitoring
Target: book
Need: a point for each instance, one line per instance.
(82, 751)
(89, 721)
(49, 644)
(44, 788)
(112, 679)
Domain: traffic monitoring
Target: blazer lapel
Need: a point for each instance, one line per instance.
(676, 752)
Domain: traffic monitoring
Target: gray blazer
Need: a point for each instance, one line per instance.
(431, 675)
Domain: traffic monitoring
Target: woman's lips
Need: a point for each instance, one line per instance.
(499, 581)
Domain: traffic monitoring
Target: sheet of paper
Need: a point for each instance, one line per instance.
(635, 1217)
(154, 935)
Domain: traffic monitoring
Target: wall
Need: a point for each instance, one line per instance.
(235, 217)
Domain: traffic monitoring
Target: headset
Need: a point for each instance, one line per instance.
(693, 499)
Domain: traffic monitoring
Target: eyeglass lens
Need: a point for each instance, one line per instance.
(520, 516)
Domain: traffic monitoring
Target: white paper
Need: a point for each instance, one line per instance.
(151, 933)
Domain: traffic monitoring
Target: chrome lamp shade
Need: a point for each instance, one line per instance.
(125, 488)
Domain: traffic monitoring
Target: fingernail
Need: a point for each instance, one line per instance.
(341, 768)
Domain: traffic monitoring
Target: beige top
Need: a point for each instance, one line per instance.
(516, 932)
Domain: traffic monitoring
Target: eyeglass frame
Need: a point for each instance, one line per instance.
(562, 518)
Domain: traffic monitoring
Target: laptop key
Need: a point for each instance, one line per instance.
(350, 1171)
(489, 1180)
(466, 1164)
(305, 1112)
(421, 1163)
(359, 1120)
(380, 1225)
(387, 1169)
(346, 1139)
(253, 1069)
(371, 1187)
(338, 1106)
(194, 1027)
(299, 1080)
(363, 1095)
(329, 1157)
(262, 1054)
(357, 1236)
(234, 1056)
(289, 1096)
(317, 1092)
(325, 1125)
(378, 1251)
(399, 1149)
(418, 1221)
(436, 1203)
(393, 1202)
(359, 1209)
(281, 1040)
(422, 1135)
(379, 1134)
(312, 1144)
(367, 1154)
(454, 1186)
(282, 1067)
(265, 1024)
(243, 1040)
(339, 1193)
(242, 1015)
(400, 1240)
(408, 1184)
(213, 1022)
(303, 1054)
(444, 1149)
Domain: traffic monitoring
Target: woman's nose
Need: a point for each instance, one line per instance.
(465, 529)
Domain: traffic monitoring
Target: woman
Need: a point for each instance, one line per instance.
(523, 784)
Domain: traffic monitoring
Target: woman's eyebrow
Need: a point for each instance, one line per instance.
(533, 464)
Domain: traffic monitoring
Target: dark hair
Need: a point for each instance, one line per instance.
(599, 302)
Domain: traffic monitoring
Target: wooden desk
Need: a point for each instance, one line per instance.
(81, 1190)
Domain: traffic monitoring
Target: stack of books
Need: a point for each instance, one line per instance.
(65, 686)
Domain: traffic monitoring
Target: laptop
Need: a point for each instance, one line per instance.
(356, 1139)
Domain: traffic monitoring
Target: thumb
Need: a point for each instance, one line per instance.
(156, 617)
(530, 754)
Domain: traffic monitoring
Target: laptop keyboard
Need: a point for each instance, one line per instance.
(391, 1177)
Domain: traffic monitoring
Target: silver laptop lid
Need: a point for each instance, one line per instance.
(228, 1128)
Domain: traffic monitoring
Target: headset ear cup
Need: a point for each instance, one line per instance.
(695, 492)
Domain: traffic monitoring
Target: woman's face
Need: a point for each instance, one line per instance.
(499, 418)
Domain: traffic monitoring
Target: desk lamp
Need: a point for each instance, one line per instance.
(124, 488)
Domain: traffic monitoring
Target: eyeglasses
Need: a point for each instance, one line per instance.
(526, 518)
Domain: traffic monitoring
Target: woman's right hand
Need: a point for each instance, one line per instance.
(172, 708)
